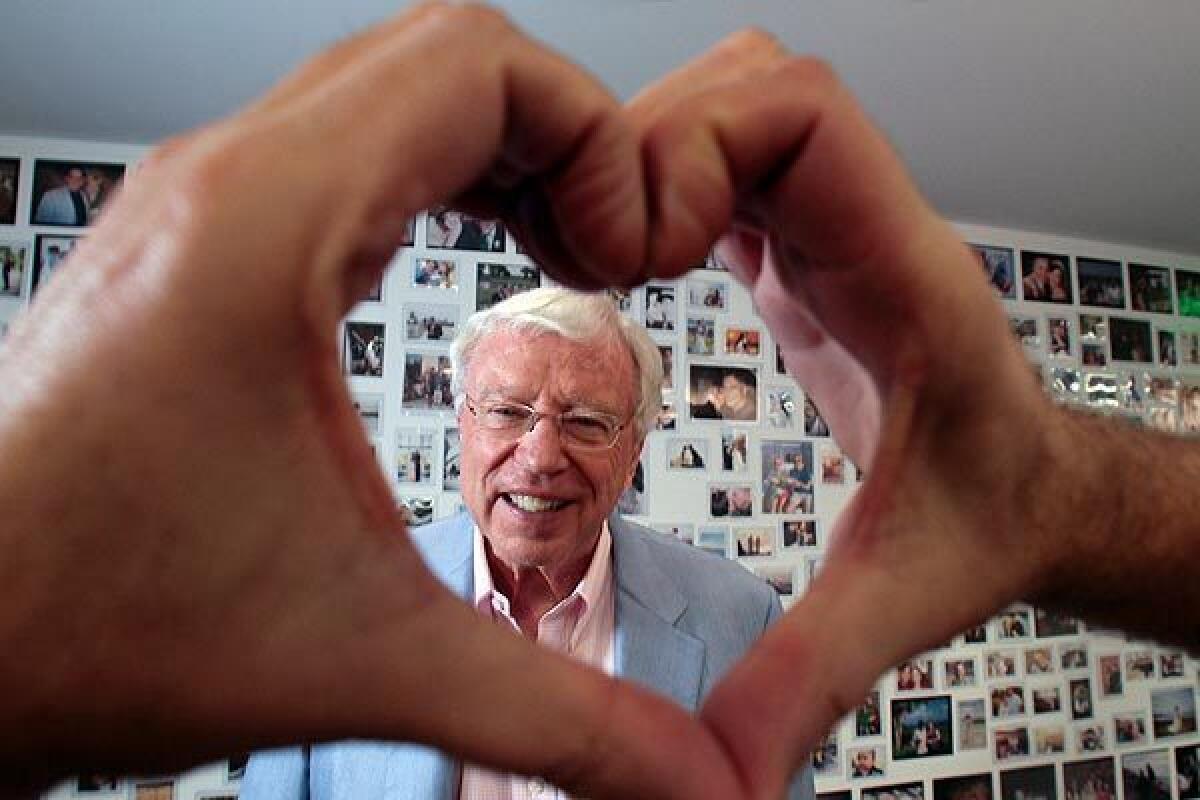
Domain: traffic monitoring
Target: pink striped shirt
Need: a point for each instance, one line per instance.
(580, 625)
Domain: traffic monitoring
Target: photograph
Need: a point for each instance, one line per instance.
(427, 382)
(754, 541)
(362, 349)
(734, 450)
(1150, 289)
(416, 509)
(1129, 727)
(1049, 740)
(998, 267)
(1090, 778)
(668, 415)
(1008, 701)
(434, 273)
(1050, 623)
(814, 423)
(701, 336)
(497, 282)
(14, 262)
(799, 533)
(1189, 347)
(72, 193)
(1046, 699)
(1013, 624)
(922, 728)
(1092, 326)
(780, 577)
(1146, 775)
(708, 293)
(1009, 743)
(972, 724)
(960, 672)
(730, 500)
(235, 767)
(787, 484)
(96, 782)
(49, 251)
(370, 411)
(1039, 660)
(1101, 390)
(1168, 355)
(1131, 340)
(718, 391)
(1170, 664)
(430, 322)
(833, 466)
(1001, 663)
(965, 787)
(899, 791)
(866, 762)
(10, 182)
(456, 230)
(713, 539)
(687, 454)
(660, 307)
(451, 459)
(622, 299)
(826, 757)
(1081, 698)
(1045, 277)
(1101, 283)
(666, 353)
(781, 407)
(1187, 772)
(868, 717)
(743, 342)
(976, 634)
(1032, 783)
(415, 452)
(1139, 665)
(1025, 330)
(1173, 712)
(1091, 738)
(780, 367)
(1058, 337)
(914, 674)
(1187, 286)
(159, 789)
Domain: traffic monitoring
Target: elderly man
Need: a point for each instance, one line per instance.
(66, 204)
(555, 392)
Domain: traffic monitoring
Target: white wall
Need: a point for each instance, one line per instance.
(680, 498)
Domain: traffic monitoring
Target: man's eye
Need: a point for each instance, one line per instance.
(507, 413)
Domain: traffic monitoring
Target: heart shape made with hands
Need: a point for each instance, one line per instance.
(249, 542)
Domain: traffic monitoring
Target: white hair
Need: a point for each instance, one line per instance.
(578, 316)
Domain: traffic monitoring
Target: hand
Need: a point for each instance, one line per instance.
(200, 552)
(884, 319)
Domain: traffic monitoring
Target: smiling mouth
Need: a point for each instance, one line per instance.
(527, 502)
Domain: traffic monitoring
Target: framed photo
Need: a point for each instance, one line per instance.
(1081, 698)
(10, 182)
(915, 674)
(1131, 340)
(711, 294)
(1046, 699)
(922, 727)
(362, 349)
(998, 267)
(668, 415)
(1072, 655)
(1094, 354)
(914, 790)
(743, 342)
(666, 354)
(1010, 742)
(868, 717)
(1101, 283)
(1189, 348)
(96, 782)
(1049, 740)
(49, 252)
(416, 449)
(1092, 776)
(370, 410)
(719, 391)
(1045, 277)
(495, 283)
(787, 483)
(833, 466)
(1170, 664)
(826, 756)
(1013, 624)
(780, 577)
(713, 539)
(730, 500)
(452, 459)
(417, 509)
(660, 307)
(758, 540)
(427, 382)
(235, 767)
(14, 265)
(430, 322)
(1025, 330)
(456, 230)
(1008, 701)
(701, 336)
(1058, 337)
(1039, 661)
(434, 273)
(157, 789)
(781, 407)
(799, 533)
(687, 454)
(780, 367)
(960, 673)
(972, 724)
(1091, 737)
(866, 762)
(1001, 663)
(1168, 355)
(1187, 287)
(1049, 623)
(1101, 390)
(814, 423)
(734, 449)
(976, 634)
(1147, 775)
(1187, 772)
(1029, 783)
(1173, 712)
(1129, 727)
(1150, 288)
(72, 193)
(966, 787)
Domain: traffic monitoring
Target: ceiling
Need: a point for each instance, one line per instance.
(1077, 118)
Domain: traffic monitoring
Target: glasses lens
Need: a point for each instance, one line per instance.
(587, 430)
(508, 417)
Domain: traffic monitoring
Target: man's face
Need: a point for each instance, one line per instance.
(1040, 267)
(74, 179)
(733, 390)
(551, 374)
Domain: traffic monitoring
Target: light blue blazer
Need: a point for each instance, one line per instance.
(683, 617)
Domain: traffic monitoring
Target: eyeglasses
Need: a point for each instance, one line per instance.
(579, 428)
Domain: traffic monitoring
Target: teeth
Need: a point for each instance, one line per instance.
(536, 504)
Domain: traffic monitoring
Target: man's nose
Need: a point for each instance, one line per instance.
(542, 449)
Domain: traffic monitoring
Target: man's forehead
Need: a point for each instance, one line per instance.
(515, 359)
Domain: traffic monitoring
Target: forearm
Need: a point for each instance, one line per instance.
(1124, 507)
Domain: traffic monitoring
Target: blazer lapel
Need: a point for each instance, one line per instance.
(650, 649)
